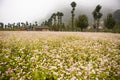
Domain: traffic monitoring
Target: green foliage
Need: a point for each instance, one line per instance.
(43, 75)
(97, 15)
(109, 22)
(73, 4)
(82, 22)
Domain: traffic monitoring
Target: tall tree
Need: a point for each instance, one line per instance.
(73, 5)
(54, 17)
(1, 25)
(109, 22)
(13, 25)
(97, 15)
(46, 23)
(82, 22)
(36, 24)
(58, 16)
(50, 22)
(23, 24)
(9, 25)
(27, 23)
(18, 24)
(61, 15)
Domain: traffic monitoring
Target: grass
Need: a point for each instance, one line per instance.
(59, 56)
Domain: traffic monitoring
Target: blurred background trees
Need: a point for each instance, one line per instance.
(97, 15)
(81, 22)
(109, 22)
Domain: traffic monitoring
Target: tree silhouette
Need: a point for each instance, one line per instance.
(97, 15)
(61, 15)
(13, 25)
(27, 23)
(73, 5)
(49, 21)
(36, 24)
(1, 25)
(18, 24)
(54, 17)
(23, 24)
(81, 22)
(58, 16)
(109, 22)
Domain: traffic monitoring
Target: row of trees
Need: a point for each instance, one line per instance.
(55, 21)
(18, 25)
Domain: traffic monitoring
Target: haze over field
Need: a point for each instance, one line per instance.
(38, 10)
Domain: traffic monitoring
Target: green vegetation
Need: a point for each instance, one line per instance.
(109, 22)
(82, 22)
(55, 22)
(97, 15)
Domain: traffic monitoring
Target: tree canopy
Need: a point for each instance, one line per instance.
(109, 22)
(81, 22)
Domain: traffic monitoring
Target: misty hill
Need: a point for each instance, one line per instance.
(116, 15)
(82, 10)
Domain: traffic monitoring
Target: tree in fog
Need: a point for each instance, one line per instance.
(58, 17)
(109, 22)
(73, 5)
(54, 17)
(18, 24)
(27, 23)
(13, 25)
(61, 15)
(50, 21)
(36, 24)
(82, 22)
(97, 15)
(1, 25)
(23, 24)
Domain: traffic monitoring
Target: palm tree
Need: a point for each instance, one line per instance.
(73, 5)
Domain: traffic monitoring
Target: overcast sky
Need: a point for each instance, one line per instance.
(34, 10)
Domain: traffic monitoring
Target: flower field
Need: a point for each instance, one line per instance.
(59, 56)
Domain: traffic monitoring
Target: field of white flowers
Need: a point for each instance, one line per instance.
(59, 56)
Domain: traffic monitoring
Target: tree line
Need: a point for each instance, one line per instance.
(81, 22)
(18, 25)
(55, 22)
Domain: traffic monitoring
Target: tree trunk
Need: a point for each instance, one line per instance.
(97, 25)
(81, 29)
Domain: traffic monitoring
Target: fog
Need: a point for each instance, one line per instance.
(39, 10)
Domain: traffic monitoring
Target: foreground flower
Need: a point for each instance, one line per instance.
(8, 71)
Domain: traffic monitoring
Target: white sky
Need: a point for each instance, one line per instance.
(33, 10)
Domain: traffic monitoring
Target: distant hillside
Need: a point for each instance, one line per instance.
(116, 15)
(81, 10)
(84, 10)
